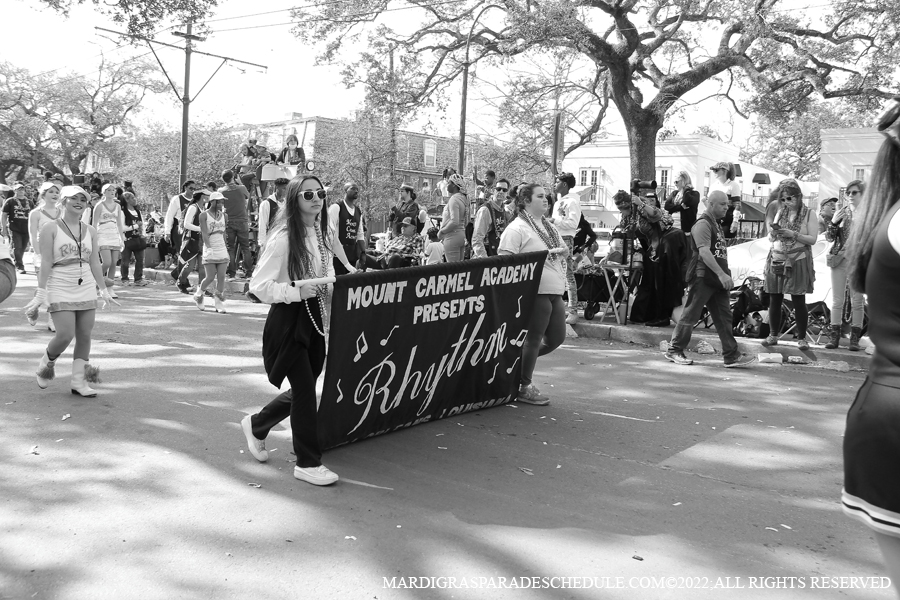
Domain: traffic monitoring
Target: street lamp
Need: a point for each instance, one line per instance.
(461, 161)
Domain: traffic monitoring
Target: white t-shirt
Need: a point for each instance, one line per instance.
(567, 214)
(434, 253)
(731, 188)
(519, 237)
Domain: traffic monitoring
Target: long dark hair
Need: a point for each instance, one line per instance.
(882, 193)
(298, 254)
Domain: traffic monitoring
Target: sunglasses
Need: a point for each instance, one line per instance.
(308, 195)
(788, 198)
(504, 190)
(854, 193)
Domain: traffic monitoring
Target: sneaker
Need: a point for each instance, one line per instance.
(23, 271)
(257, 447)
(320, 475)
(530, 395)
(141, 283)
(741, 361)
(803, 345)
(571, 317)
(183, 288)
(127, 282)
(770, 341)
(678, 358)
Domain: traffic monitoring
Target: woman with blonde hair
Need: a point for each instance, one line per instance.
(683, 202)
(872, 438)
(45, 212)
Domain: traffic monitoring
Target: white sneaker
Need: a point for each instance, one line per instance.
(572, 316)
(257, 447)
(320, 475)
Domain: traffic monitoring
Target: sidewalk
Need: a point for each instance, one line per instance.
(652, 336)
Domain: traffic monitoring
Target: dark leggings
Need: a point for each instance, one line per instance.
(546, 331)
(800, 313)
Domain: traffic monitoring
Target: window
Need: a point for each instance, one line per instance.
(861, 172)
(592, 177)
(430, 150)
(583, 177)
(662, 176)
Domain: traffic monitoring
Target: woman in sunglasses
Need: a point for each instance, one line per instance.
(872, 438)
(838, 231)
(300, 247)
(215, 251)
(789, 266)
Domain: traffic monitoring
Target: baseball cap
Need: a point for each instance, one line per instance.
(105, 186)
(720, 165)
(215, 196)
(407, 221)
(47, 185)
(17, 186)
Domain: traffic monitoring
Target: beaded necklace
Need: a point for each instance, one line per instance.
(549, 237)
(321, 290)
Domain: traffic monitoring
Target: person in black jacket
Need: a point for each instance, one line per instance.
(584, 240)
(683, 202)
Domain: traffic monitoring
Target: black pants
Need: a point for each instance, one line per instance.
(299, 403)
(138, 263)
(800, 313)
(394, 261)
(19, 243)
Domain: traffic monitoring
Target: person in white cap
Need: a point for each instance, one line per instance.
(215, 252)
(109, 221)
(455, 218)
(69, 278)
(14, 223)
(45, 212)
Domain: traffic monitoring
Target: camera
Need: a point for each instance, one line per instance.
(644, 189)
(78, 179)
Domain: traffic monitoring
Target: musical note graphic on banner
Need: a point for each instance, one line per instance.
(512, 366)
(491, 380)
(340, 392)
(519, 304)
(385, 340)
(361, 346)
(520, 339)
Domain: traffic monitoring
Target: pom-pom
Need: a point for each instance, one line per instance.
(92, 374)
(47, 371)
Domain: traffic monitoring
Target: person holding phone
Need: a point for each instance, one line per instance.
(839, 228)
(532, 231)
(789, 265)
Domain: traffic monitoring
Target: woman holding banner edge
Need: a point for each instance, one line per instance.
(300, 247)
(530, 231)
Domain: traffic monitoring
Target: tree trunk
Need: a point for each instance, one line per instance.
(642, 129)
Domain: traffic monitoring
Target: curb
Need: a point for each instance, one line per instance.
(239, 286)
(652, 336)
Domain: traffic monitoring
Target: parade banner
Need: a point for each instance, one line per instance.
(413, 345)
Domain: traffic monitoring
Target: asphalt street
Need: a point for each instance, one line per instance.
(659, 478)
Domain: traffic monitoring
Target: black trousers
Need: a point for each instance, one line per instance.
(394, 261)
(299, 403)
(19, 243)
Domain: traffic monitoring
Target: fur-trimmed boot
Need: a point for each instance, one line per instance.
(82, 373)
(855, 334)
(220, 302)
(45, 371)
(834, 337)
(198, 298)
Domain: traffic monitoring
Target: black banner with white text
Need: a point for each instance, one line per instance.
(413, 345)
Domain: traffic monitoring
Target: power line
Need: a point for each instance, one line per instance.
(272, 12)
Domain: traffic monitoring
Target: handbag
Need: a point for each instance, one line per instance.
(136, 243)
(778, 267)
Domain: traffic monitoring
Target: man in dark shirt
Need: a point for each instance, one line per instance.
(237, 229)
(14, 223)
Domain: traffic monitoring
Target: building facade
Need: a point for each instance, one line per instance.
(847, 154)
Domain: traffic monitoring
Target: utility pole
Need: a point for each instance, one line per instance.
(184, 99)
(393, 119)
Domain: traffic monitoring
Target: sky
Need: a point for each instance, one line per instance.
(243, 94)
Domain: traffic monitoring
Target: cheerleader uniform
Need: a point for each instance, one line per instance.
(71, 283)
(108, 236)
(43, 219)
(872, 438)
(216, 251)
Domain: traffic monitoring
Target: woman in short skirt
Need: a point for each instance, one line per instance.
(69, 278)
(215, 252)
(110, 225)
(45, 212)
(872, 438)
